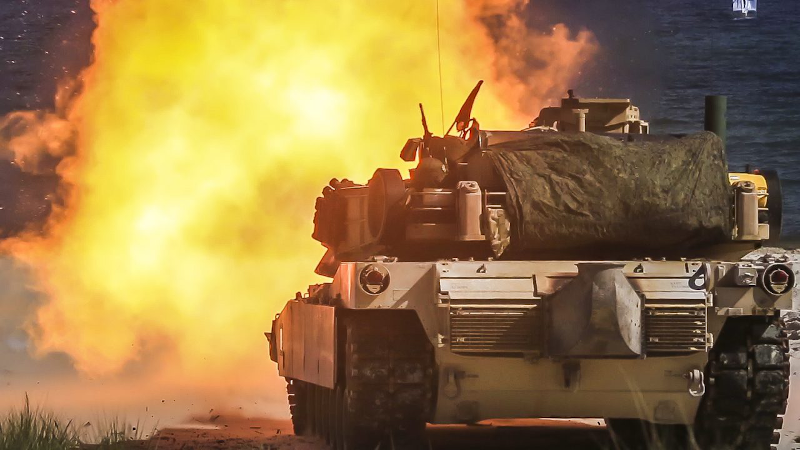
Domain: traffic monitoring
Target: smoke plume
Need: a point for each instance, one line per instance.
(200, 136)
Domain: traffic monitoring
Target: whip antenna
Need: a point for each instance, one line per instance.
(439, 50)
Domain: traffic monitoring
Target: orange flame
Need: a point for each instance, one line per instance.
(205, 130)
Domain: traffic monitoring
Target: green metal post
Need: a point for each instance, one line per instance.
(717, 115)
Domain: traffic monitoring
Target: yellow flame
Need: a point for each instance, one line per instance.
(205, 131)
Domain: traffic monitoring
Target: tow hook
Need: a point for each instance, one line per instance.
(452, 386)
(697, 386)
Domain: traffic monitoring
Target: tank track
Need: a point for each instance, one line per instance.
(297, 401)
(748, 386)
(747, 379)
(389, 383)
(387, 395)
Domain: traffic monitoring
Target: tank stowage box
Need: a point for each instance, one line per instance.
(580, 268)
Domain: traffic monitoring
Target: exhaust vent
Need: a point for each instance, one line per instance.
(673, 327)
(495, 328)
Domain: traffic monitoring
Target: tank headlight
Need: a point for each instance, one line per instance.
(777, 279)
(374, 279)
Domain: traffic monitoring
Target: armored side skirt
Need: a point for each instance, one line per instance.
(303, 343)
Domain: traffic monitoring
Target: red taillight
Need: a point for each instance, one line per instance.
(374, 277)
(779, 276)
(777, 279)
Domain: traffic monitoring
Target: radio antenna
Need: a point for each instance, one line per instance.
(439, 50)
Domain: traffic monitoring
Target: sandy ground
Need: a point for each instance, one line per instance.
(265, 434)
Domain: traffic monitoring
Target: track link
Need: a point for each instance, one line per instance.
(297, 391)
(747, 390)
(389, 368)
(385, 396)
(748, 386)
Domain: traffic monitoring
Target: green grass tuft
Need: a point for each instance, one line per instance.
(34, 429)
(116, 434)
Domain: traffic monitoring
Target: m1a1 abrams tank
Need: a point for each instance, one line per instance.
(581, 267)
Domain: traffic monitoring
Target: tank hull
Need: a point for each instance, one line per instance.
(491, 325)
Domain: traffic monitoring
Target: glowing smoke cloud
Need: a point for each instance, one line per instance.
(205, 130)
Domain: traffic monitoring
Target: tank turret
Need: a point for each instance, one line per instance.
(586, 179)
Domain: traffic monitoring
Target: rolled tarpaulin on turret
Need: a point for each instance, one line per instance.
(583, 194)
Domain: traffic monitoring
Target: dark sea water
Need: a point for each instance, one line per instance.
(756, 63)
(41, 43)
(665, 55)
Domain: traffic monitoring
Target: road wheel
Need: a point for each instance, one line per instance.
(635, 434)
(330, 413)
(672, 436)
(626, 434)
(298, 405)
(311, 407)
(337, 415)
(355, 436)
(322, 413)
